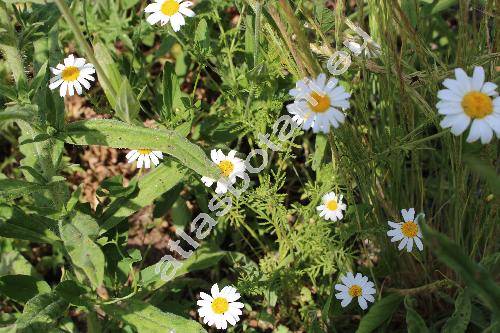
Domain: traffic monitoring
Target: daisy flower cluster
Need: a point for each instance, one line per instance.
(319, 104)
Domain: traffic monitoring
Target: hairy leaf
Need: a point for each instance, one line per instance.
(14, 223)
(415, 323)
(151, 186)
(86, 256)
(476, 277)
(379, 313)
(22, 288)
(118, 134)
(459, 321)
(41, 312)
(146, 318)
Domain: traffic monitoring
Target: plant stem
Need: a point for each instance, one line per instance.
(428, 288)
(65, 12)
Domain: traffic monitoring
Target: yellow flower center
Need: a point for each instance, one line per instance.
(220, 305)
(477, 104)
(322, 102)
(170, 7)
(226, 167)
(332, 205)
(144, 151)
(355, 291)
(409, 229)
(70, 73)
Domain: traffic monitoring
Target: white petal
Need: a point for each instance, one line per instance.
(346, 302)
(186, 11)
(362, 302)
(409, 245)
(154, 159)
(489, 89)
(78, 87)
(153, 7)
(140, 161)
(419, 243)
(84, 82)
(71, 88)
(69, 61)
(63, 89)
(403, 243)
(477, 78)
(155, 18)
(449, 95)
(55, 84)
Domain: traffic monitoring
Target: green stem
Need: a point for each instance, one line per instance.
(65, 12)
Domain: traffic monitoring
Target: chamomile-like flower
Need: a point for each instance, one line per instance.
(230, 166)
(407, 232)
(144, 157)
(221, 307)
(71, 76)
(355, 287)
(470, 99)
(332, 207)
(318, 103)
(164, 11)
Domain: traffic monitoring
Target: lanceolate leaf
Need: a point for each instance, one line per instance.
(22, 288)
(415, 323)
(379, 313)
(459, 321)
(14, 223)
(41, 312)
(86, 256)
(151, 186)
(202, 258)
(146, 318)
(475, 276)
(14, 188)
(118, 134)
(27, 113)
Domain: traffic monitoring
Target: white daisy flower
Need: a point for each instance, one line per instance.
(144, 157)
(407, 232)
(317, 104)
(332, 207)
(71, 76)
(164, 11)
(230, 166)
(220, 308)
(470, 99)
(355, 286)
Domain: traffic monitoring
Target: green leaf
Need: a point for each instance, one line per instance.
(71, 292)
(22, 288)
(117, 134)
(127, 106)
(442, 5)
(86, 256)
(181, 215)
(202, 258)
(415, 323)
(14, 188)
(14, 223)
(13, 262)
(459, 321)
(484, 171)
(151, 186)
(111, 71)
(475, 276)
(26, 113)
(379, 313)
(40, 313)
(319, 151)
(171, 92)
(146, 318)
